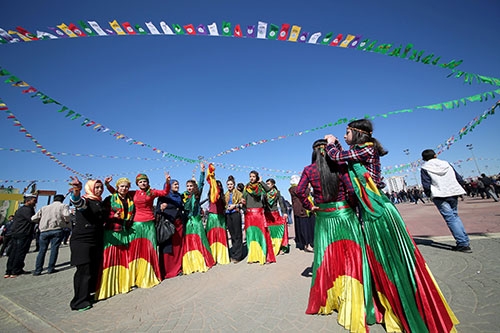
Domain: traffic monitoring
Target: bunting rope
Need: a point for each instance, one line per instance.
(262, 30)
(14, 81)
(469, 127)
(22, 129)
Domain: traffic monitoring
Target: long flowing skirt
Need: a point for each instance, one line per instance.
(217, 237)
(410, 298)
(339, 268)
(197, 255)
(260, 247)
(171, 252)
(143, 258)
(114, 277)
(278, 230)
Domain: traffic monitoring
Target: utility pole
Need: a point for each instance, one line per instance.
(407, 152)
(469, 146)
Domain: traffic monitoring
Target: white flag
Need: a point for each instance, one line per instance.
(212, 28)
(42, 34)
(166, 29)
(314, 37)
(97, 28)
(261, 30)
(8, 37)
(152, 28)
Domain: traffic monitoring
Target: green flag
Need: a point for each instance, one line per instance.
(86, 28)
(327, 38)
(140, 29)
(226, 28)
(178, 29)
(273, 31)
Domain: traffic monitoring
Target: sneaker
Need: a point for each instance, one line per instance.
(37, 273)
(53, 271)
(465, 249)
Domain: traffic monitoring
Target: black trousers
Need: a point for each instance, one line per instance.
(20, 246)
(233, 221)
(83, 286)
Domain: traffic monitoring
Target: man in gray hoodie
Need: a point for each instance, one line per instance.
(443, 185)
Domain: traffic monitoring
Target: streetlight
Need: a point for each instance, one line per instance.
(407, 152)
(469, 146)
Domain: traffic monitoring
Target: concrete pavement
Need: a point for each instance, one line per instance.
(270, 298)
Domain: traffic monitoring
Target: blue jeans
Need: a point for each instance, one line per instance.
(448, 207)
(54, 237)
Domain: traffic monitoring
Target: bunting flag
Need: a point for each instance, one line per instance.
(22, 129)
(119, 136)
(92, 28)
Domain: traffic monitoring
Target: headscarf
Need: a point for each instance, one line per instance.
(141, 176)
(175, 196)
(122, 180)
(294, 180)
(90, 190)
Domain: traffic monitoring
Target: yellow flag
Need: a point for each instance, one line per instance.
(116, 27)
(66, 30)
(294, 33)
(346, 41)
(23, 37)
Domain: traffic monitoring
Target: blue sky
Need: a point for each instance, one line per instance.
(197, 96)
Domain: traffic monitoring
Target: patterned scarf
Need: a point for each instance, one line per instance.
(254, 189)
(117, 207)
(366, 190)
(214, 193)
(272, 196)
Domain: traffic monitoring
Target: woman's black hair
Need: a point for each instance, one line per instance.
(327, 169)
(362, 130)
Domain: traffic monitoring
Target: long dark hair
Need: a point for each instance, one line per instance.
(221, 192)
(362, 130)
(196, 189)
(327, 169)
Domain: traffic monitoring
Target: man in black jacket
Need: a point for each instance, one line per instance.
(21, 236)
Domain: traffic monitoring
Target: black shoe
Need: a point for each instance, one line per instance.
(53, 271)
(465, 249)
(37, 273)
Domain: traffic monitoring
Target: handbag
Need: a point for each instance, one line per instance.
(164, 229)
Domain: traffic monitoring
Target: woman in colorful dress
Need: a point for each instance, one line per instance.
(260, 246)
(410, 298)
(338, 282)
(277, 223)
(114, 277)
(216, 220)
(234, 203)
(197, 256)
(142, 255)
(172, 208)
(86, 240)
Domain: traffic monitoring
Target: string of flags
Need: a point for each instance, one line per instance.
(22, 129)
(68, 113)
(261, 30)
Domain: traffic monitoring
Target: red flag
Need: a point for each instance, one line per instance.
(336, 40)
(237, 31)
(77, 31)
(29, 90)
(26, 33)
(190, 29)
(283, 35)
(128, 28)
